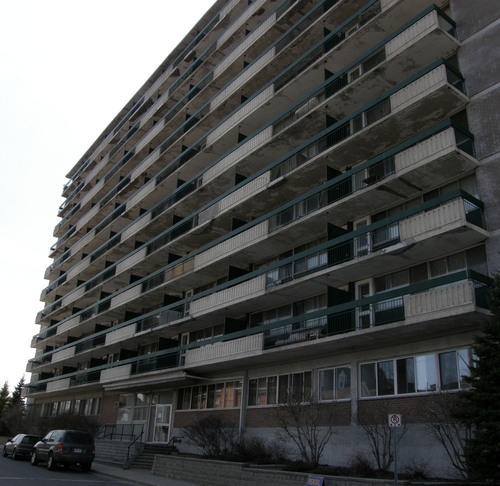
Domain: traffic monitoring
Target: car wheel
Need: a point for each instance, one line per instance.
(51, 462)
(5, 451)
(86, 466)
(14, 455)
(34, 458)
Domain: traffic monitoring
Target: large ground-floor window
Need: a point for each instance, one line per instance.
(270, 390)
(215, 395)
(416, 374)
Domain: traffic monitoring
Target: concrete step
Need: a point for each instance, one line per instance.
(146, 458)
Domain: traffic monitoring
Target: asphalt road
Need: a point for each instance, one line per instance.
(22, 473)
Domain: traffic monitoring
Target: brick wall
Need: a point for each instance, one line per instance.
(109, 409)
(329, 414)
(415, 409)
(186, 418)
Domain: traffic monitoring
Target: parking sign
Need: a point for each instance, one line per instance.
(395, 420)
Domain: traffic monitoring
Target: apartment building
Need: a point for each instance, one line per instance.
(300, 201)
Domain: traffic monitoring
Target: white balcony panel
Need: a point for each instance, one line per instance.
(84, 221)
(239, 21)
(116, 373)
(83, 242)
(136, 226)
(141, 194)
(72, 296)
(245, 192)
(230, 296)
(245, 75)
(68, 325)
(227, 8)
(247, 43)
(102, 163)
(225, 351)
(234, 157)
(161, 79)
(237, 197)
(73, 271)
(386, 4)
(242, 113)
(145, 164)
(433, 222)
(63, 354)
(120, 334)
(91, 194)
(412, 34)
(131, 261)
(210, 213)
(126, 296)
(58, 385)
(418, 89)
(439, 302)
(150, 135)
(431, 148)
(234, 244)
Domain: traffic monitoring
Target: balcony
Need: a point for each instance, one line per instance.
(224, 351)
(430, 230)
(458, 299)
(115, 374)
(432, 25)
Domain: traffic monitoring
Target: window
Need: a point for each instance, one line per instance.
(416, 374)
(262, 391)
(426, 373)
(216, 395)
(454, 368)
(368, 380)
(385, 378)
(279, 389)
(335, 383)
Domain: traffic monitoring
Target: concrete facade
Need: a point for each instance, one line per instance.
(300, 202)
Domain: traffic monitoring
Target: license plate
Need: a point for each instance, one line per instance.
(77, 451)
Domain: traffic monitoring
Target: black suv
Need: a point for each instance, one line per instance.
(65, 447)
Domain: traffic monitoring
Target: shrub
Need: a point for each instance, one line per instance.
(214, 436)
(257, 450)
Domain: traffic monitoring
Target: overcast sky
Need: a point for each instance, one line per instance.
(66, 68)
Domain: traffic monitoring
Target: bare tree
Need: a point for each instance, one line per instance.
(213, 435)
(308, 425)
(450, 433)
(380, 436)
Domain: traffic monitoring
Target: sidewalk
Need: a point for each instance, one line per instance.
(139, 476)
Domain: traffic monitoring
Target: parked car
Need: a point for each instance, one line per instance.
(20, 446)
(65, 447)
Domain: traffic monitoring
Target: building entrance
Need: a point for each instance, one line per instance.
(161, 431)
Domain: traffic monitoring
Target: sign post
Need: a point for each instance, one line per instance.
(395, 421)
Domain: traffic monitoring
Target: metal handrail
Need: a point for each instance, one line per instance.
(126, 465)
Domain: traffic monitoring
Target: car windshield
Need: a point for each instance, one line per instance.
(78, 438)
(29, 439)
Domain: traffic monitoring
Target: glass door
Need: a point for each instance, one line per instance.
(162, 423)
(364, 314)
(182, 352)
(362, 243)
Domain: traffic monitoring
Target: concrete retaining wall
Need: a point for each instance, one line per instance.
(207, 472)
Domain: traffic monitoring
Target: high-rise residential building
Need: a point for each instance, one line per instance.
(301, 201)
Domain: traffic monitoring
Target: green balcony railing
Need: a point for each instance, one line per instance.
(352, 316)
(377, 310)
(368, 60)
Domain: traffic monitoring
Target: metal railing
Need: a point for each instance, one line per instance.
(120, 432)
